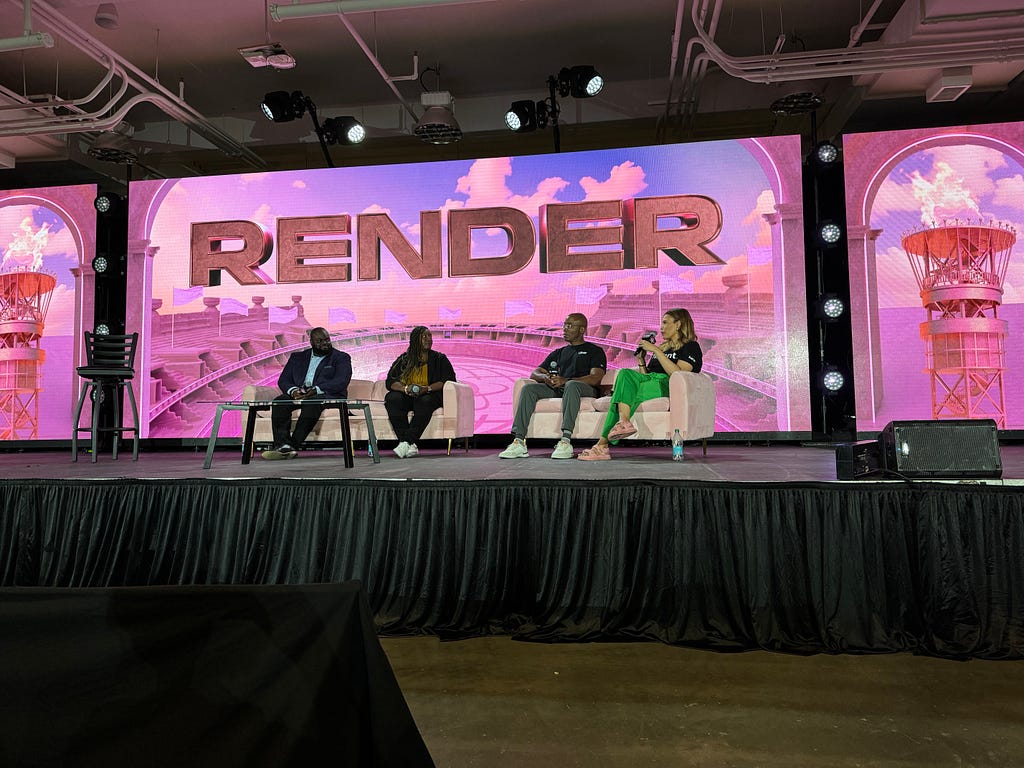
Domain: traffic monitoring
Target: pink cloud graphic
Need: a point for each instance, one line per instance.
(624, 180)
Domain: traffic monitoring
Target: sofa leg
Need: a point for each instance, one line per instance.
(704, 445)
(466, 439)
(449, 446)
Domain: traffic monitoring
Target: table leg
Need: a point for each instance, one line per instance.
(214, 432)
(250, 427)
(346, 436)
(371, 436)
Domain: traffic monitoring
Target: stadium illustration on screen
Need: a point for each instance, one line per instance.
(936, 274)
(227, 274)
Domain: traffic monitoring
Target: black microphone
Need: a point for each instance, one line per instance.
(646, 337)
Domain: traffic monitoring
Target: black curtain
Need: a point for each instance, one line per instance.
(929, 568)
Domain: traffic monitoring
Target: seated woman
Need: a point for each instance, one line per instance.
(415, 382)
(678, 352)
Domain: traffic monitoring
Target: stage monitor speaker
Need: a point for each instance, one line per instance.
(858, 461)
(960, 448)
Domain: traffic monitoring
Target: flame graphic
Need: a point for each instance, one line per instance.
(944, 198)
(25, 251)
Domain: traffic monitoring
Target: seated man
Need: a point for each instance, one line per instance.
(570, 372)
(310, 376)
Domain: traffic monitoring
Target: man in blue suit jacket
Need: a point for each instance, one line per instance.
(310, 376)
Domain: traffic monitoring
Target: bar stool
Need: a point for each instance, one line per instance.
(110, 367)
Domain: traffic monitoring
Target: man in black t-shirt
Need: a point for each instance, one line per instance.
(569, 372)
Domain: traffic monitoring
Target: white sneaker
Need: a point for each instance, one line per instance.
(413, 450)
(516, 450)
(402, 450)
(563, 450)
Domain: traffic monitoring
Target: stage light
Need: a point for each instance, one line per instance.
(104, 203)
(282, 107)
(102, 329)
(829, 307)
(829, 234)
(521, 117)
(100, 264)
(831, 380)
(343, 130)
(580, 82)
(826, 153)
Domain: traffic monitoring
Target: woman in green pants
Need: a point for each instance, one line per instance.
(679, 351)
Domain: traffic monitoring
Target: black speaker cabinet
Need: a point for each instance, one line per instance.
(856, 461)
(957, 448)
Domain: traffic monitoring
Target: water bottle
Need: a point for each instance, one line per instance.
(677, 446)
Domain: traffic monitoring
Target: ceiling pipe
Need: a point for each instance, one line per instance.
(858, 61)
(339, 9)
(857, 31)
(68, 103)
(150, 92)
(311, 10)
(29, 39)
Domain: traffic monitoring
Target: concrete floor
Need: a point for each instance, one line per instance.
(496, 702)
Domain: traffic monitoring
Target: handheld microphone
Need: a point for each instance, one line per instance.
(650, 337)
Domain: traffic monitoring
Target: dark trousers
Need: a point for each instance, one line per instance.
(281, 419)
(398, 405)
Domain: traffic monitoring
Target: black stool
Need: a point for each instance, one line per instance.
(111, 367)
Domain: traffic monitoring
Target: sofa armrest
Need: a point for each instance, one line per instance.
(517, 388)
(460, 401)
(255, 392)
(691, 404)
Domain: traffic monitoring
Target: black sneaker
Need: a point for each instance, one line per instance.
(287, 452)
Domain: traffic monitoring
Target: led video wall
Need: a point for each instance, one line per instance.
(226, 274)
(936, 273)
(48, 240)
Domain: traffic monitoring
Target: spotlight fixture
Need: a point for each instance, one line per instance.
(831, 380)
(521, 117)
(826, 153)
(580, 82)
(829, 307)
(105, 203)
(102, 329)
(438, 124)
(100, 264)
(796, 104)
(343, 130)
(829, 234)
(283, 107)
(114, 147)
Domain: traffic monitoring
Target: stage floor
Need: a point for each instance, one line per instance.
(783, 463)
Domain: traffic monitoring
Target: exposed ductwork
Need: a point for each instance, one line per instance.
(63, 117)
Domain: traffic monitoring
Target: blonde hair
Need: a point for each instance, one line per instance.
(682, 316)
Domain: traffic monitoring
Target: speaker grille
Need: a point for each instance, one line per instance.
(960, 448)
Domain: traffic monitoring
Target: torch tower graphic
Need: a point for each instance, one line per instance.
(960, 269)
(25, 292)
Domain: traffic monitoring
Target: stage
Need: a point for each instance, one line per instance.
(750, 546)
(724, 463)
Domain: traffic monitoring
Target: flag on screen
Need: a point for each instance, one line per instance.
(282, 315)
(340, 315)
(518, 307)
(675, 285)
(446, 313)
(390, 316)
(233, 307)
(588, 295)
(187, 295)
(759, 254)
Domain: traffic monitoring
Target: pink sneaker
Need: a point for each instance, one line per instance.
(621, 429)
(597, 453)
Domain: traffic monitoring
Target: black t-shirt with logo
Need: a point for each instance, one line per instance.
(573, 362)
(690, 352)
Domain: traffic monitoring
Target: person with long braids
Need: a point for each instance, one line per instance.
(678, 352)
(415, 382)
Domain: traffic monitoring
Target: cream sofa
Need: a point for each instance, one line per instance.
(689, 407)
(454, 419)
